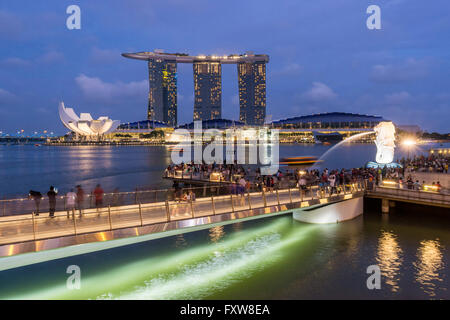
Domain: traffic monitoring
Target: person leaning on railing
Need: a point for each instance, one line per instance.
(36, 196)
(70, 203)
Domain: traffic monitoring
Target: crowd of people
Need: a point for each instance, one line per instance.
(434, 162)
(74, 200)
(242, 179)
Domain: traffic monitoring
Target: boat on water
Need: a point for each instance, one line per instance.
(328, 138)
(175, 148)
(299, 161)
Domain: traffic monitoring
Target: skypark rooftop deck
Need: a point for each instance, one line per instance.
(185, 58)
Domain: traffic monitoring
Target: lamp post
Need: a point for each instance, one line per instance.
(409, 143)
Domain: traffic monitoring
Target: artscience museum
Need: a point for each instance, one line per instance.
(84, 124)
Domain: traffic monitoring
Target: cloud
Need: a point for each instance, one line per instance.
(320, 92)
(105, 55)
(46, 58)
(10, 25)
(51, 57)
(408, 70)
(397, 98)
(97, 90)
(6, 96)
(292, 69)
(15, 62)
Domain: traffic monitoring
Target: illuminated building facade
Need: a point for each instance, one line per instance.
(207, 90)
(162, 97)
(162, 105)
(252, 92)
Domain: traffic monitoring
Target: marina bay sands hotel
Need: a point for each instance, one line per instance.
(162, 98)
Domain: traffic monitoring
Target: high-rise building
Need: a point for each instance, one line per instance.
(162, 97)
(207, 90)
(252, 92)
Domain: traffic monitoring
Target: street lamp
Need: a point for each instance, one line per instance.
(409, 143)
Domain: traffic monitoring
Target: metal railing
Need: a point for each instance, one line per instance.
(170, 205)
(412, 195)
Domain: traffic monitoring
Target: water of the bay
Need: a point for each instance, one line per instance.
(271, 258)
(25, 167)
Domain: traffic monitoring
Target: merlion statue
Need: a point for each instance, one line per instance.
(385, 142)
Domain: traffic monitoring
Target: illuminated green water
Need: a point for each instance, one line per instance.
(263, 259)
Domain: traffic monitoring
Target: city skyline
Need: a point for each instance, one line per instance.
(323, 59)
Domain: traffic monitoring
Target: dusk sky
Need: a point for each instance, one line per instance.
(323, 58)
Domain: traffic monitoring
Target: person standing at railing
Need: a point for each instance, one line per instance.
(332, 181)
(98, 194)
(51, 194)
(80, 199)
(36, 196)
(70, 203)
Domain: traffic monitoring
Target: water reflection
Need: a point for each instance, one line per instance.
(180, 241)
(429, 265)
(389, 259)
(216, 233)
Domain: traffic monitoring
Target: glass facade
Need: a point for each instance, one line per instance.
(332, 120)
(162, 98)
(252, 92)
(207, 90)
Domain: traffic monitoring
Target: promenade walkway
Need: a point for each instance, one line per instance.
(28, 227)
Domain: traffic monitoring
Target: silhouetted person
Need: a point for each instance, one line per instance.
(36, 196)
(51, 194)
(80, 199)
(70, 203)
(98, 194)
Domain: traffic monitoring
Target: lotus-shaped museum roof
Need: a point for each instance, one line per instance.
(84, 124)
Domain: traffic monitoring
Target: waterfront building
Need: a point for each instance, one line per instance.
(330, 120)
(162, 97)
(84, 124)
(207, 90)
(162, 105)
(221, 124)
(252, 92)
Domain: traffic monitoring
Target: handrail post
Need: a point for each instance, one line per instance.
(74, 222)
(264, 197)
(248, 196)
(192, 208)
(290, 195)
(34, 229)
(310, 190)
(232, 204)
(213, 205)
(140, 214)
(109, 217)
(278, 198)
(300, 191)
(167, 211)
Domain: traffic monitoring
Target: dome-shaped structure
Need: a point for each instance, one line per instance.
(84, 124)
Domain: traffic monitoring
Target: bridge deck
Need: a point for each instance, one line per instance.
(412, 196)
(23, 228)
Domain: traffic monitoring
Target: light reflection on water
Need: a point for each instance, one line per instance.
(429, 265)
(389, 259)
(216, 233)
(273, 258)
